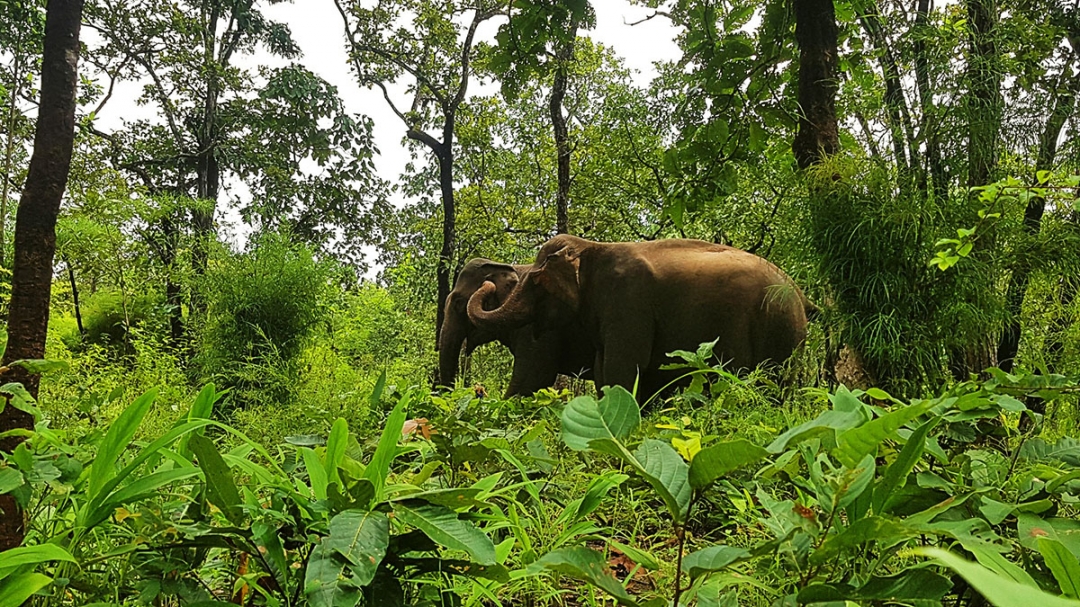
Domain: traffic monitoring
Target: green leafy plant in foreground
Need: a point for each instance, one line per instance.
(849, 500)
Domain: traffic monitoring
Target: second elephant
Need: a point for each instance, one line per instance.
(637, 301)
(539, 356)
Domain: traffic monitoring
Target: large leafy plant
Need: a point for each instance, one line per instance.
(845, 501)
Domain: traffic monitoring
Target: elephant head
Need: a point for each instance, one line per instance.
(457, 329)
(548, 294)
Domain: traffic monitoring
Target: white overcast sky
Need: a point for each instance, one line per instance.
(317, 29)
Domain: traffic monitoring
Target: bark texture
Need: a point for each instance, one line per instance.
(816, 33)
(35, 225)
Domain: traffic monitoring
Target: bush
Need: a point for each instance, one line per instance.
(262, 307)
(109, 318)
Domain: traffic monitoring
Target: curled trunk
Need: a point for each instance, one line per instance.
(516, 311)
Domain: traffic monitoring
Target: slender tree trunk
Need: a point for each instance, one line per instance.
(35, 226)
(564, 55)
(208, 173)
(1064, 104)
(74, 295)
(9, 151)
(816, 33)
(937, 180)
(895, 106)
(446, 254)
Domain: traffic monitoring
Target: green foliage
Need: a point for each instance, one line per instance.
(263, 305)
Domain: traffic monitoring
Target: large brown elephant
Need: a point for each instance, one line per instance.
(539, 356)
(637, 301)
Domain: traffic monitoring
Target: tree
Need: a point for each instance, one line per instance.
(35, 225)
(422, 40)
(815, 31)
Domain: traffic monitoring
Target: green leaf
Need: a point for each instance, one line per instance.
(116, 440)
(713, 558)
(33, 555)
(721, 458)
(595, 492)
(989, 557)
(221, 489)
(862, 531)
(830, 421)
(663, 468)
(1064, 566)
(897, 473)
(10, 479)
(999, 590)
(16, 589)
(857, 443)
(909, 586)
(454, 499)
(639, 556)
(335, 449)
(37, 366)
(585, 419)
(379, 467)
(376, 392)
(444, 527)
(361, 538)
(325, 582)
(588, 566)
(316, 472)
(202, 408)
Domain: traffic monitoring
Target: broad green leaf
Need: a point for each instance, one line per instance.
(16, 589)
(325, 582)
(857, 443)
(33, 555)
(662, 467)
(220, 487)
(713, 558)
(37, 366)
(854, 483)
(376, 392)
(897, 473)
(989, 557)
(335, 449)
(1064, 566)
(361, 537)
(909, 586)
(451, 498)
(443, 526)
(613, 417)
(999, 590)
(316, 472)
(379, 467)
(497, 573)
(10, 479)
(116, 440)
(202, 408)
(721, 458)
(862, 531)
(830, 421)
(995, 511)
(588, 566)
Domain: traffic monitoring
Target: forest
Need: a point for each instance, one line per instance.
(785, 318)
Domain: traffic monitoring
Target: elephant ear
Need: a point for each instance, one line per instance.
(559, 276)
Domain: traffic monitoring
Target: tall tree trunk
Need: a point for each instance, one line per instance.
(35, 226)
(1064, 104)
(446, 254)
(208, 172)
(564, 55)
(895, 105)
(815, 33)
(937, 180)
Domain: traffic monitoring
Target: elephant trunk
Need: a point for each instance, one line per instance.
(451, 338)
(516, 311)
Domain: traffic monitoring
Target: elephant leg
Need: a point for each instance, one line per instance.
(626, 353)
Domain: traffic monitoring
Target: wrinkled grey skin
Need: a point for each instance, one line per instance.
(539, 356)
(635, 302)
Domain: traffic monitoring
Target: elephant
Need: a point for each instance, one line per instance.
(638, 301)
(539, 356)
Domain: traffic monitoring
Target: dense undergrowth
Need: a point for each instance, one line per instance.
(731, 492)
